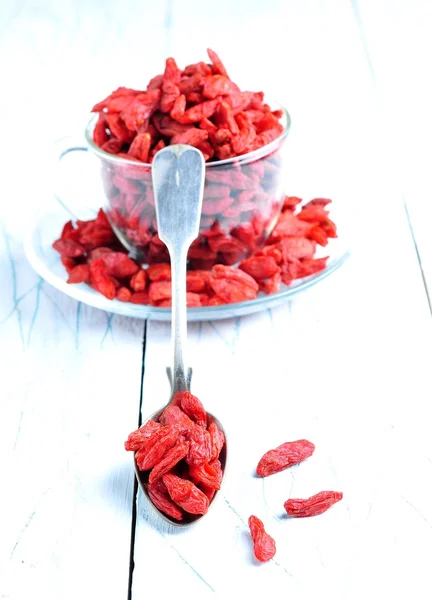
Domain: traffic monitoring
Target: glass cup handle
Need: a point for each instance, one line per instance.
(74, 183)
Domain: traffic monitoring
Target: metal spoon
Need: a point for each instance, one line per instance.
(178, 184)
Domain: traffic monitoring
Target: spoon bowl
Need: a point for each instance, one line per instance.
(178, 183)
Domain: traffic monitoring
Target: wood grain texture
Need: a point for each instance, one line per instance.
(344, 364)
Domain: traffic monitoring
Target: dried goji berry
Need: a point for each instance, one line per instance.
(140, 147)
(263, 544)
(200, 450)
(161, 499)
(260, 267)
(159, 272)
(100, 134)
(284, 456)
(68, 263)
(79, 274)
(158, 291)
(123, 294)
(186, 494)
(138, 281)
(217, 439)
(191, 136)
(217, 64)
(137, 438)
(169, 460)
(173, 415)
(315, 505)
(140, 298)
(118, 128)
(69, 248)
(210, 474)
(193, 407)
(156, 447)
(100, 280)
(119, 264)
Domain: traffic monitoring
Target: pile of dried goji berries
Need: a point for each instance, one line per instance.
(200, 106)
(284, 456)
(91, 253)
(182, 456)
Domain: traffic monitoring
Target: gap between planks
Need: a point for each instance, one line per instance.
(136, 489)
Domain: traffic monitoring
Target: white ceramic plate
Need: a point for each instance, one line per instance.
(46, 262)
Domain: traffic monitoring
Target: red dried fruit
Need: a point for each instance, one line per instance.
(196, 113)
(159, 496)
(140, 298)
(100, 135)
(311, 266)
(69, 248)
(156, 447)
(210, 474)
(186, 494)
(217, 64)
(263, 544)
(159, 291)
(315, 505)
(118, 128)
(140, 147)
(193, 407)
(79, 274)
(138, 281)
(197, 281)
(217, 439)
(170, 459)
(123, 294)
(100, 280)
(200, 451)
(260, 267)
(119, 264)
(218, 85)
(137, 438)
(173, 415)
(191, 136)
(159, 272)
(284, 456)
(68, 263)
(139, 111)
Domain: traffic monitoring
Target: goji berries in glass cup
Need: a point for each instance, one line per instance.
(242, 200)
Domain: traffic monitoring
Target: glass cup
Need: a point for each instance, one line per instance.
(242, 200)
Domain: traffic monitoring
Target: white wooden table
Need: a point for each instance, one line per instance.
(346, 364)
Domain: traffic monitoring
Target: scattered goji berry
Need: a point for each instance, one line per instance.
(315, 505)
(79, 274)
(123, 294)
(263, 544)
(284, 456)
(69, 248)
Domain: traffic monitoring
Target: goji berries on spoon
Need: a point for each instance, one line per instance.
(180, 451)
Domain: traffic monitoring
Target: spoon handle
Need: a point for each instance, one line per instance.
(178, 185)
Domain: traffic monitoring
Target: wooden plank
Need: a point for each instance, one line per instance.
(397, 42)
(335, 365)
(71, 375)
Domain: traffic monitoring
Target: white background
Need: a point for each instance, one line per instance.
(345, 364)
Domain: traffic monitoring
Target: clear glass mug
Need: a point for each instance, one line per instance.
(242, 200)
